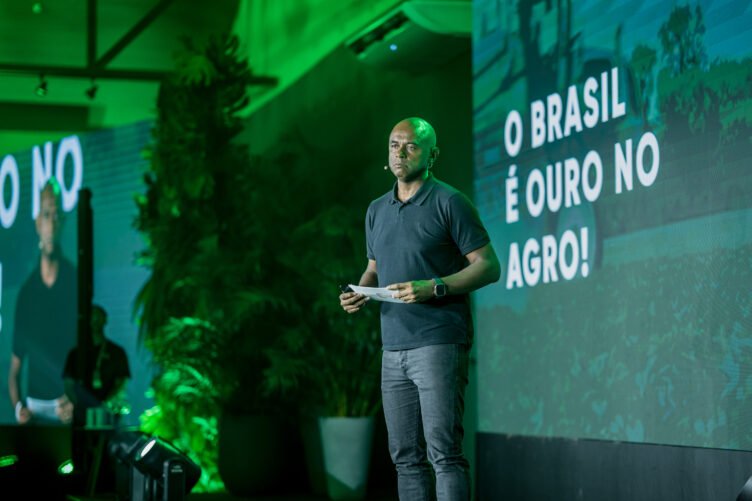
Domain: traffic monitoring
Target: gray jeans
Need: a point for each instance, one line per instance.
(423, 390)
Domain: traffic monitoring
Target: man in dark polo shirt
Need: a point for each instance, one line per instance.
(45, 322)
(426, 243)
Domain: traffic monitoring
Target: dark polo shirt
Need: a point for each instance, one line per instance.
(46, 323)
(428, 236)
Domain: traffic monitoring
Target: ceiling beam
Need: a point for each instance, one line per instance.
(79, 72)
(132, 33)
(96, 68)
(105, 74)
(91, 32)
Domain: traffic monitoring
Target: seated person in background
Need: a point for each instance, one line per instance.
(104, 384)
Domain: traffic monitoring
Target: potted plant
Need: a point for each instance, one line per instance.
(329, 361)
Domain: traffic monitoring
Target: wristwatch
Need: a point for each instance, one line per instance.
(440, 289)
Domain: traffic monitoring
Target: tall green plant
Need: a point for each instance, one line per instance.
(329, 361)
(240, 311)
(207, 307)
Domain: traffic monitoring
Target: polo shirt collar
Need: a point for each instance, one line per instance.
(419, 197)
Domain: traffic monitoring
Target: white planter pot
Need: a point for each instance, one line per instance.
(346, 446)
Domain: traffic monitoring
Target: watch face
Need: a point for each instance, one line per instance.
(440, 290)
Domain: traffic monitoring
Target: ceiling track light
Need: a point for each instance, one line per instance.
(91, 92)
(41, 89)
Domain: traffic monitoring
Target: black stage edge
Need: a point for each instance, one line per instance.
(39, 452)
(523, 468)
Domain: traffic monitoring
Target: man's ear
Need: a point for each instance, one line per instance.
(434, 155)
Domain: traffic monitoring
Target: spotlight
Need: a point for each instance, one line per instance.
(157, 469)
(41, 89)
(381, 32)
(91, 92)
(65, 468)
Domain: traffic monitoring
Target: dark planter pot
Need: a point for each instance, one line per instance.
(251, 453)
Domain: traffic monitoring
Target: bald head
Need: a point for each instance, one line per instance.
(52, 191)
(49, 219)
(424, 132)
(412, 149)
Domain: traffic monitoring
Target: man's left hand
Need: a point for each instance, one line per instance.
(413, 292)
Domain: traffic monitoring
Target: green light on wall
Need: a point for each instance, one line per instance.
(6, 461)
(37, 8)
(66, 468)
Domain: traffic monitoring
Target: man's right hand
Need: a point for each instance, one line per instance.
(351, 301)
(23, 414)
(64, 409)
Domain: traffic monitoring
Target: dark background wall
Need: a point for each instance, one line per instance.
(342, 111)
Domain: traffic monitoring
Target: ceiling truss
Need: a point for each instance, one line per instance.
(96, 68)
